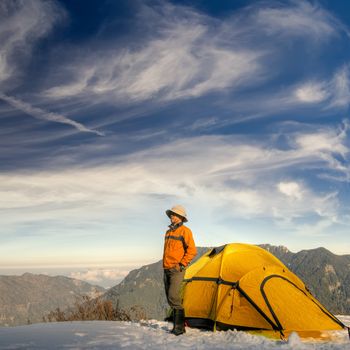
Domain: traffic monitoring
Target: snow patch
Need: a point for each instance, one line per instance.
(81, 334)
(294, 340)
(150, 334)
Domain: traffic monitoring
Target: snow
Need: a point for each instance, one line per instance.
(148, 335)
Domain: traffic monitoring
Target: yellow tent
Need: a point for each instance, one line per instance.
(244, 287)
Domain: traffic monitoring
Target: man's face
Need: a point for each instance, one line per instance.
(175, 219)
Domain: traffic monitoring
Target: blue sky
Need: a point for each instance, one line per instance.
(113, 111)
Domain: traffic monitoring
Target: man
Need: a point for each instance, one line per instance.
(179, 250)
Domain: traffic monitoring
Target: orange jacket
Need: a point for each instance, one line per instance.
(179, 247)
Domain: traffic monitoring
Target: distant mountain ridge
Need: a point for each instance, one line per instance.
(325, 274)
(28, 298)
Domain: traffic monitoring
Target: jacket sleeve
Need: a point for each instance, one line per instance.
(191, 250)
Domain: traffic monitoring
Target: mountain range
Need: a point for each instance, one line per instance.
(28, 298)
(325, 274)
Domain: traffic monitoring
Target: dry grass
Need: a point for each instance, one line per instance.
(89, 309)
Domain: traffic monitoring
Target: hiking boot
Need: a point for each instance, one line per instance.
(179, 322)
(171, 318)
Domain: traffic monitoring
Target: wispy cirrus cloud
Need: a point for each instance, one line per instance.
(204, 58)
(312, 92)
(326, 94)
(327, 140)
(298, 19)
(227, 56)
(235, 58)
(211, 55)
(22, 24)
(334, 93)
(340, 84)
(45, 115)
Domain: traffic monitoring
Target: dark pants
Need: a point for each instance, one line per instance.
(172, 283)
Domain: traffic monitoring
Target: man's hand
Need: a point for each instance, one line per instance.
(179, 267)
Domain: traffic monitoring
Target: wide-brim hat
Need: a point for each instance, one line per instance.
(177, 210)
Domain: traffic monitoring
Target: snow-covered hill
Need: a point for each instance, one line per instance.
(147, 335)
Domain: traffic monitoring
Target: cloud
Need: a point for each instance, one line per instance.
(193, 55)
(234, 176)
(314, 230)
(242, 179)
(323, 142)
(300, 18)
(186, 57)
(45, 115)
(312, 92)
(291, 189)
(23, 22)
(232, 56)
(211, 56)
(99, 275)
(340, 86)
(206, 123)
(331, 93)
(335, 92)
